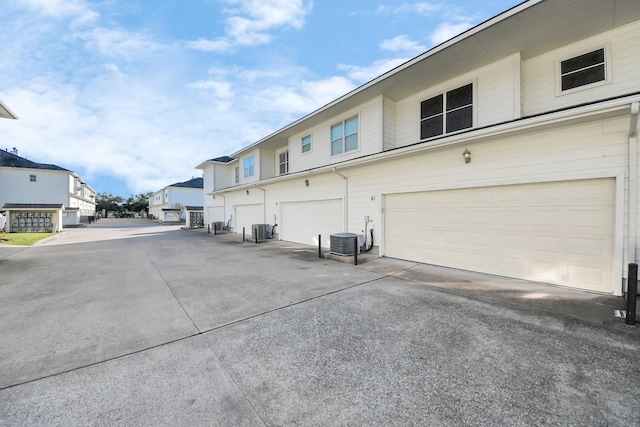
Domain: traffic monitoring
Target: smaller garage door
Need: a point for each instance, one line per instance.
(302, 222)
(558, 232)
(246, 216)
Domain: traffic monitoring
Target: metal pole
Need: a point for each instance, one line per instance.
(208, 229)
(256, 233)
(632, 294)
(243, 235)
(355, 250)
(319, 245)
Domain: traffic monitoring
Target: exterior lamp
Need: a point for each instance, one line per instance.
(306, 182)
(467, 156)
(247, 191)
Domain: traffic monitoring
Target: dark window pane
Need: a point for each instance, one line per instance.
(431, 107)
(584, 77)
(460, 119)
(431, 127)
(582, 61)
(460, 97)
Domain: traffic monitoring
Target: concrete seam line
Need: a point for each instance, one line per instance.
(88, 365)
(233, 379)
(174, 294)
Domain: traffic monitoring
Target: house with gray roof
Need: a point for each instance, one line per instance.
(42, 197)
(167, 204)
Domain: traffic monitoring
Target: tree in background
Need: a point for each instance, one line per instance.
(139, 202)
(109, 203)
(119, 207)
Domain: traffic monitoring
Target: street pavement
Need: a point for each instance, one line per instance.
(129, 322)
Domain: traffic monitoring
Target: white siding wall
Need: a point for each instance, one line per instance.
(389, 124)
(184, 196)
(225, 175)
(370, 139)
(268, 164)
(50, 186)
(541, 79)
(496, 98)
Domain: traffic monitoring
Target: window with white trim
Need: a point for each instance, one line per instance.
(583, 70)
(344, 136)
(306, 144)
(32, 178)
(446, 113)
(249, 164)
(284, 162)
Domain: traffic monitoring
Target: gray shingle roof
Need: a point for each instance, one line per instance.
(223, 159)
(11, 160)
(33, 206)
(192, 183)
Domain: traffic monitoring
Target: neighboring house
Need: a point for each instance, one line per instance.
(166, 205)
(42, 197)
(510, 149)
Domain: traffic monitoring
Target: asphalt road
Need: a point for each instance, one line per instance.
(127, 322)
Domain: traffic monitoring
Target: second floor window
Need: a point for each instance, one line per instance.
(448, 112)
(284, 162)
(32, 178)
(344, 136)
(583, 70)
(306, 144)
(248, 166)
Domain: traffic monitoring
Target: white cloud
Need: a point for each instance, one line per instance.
(77, 9)
(421, 8)
(370, 72)
(251, 23)
(219, 45)
(119, 43)
(402, 44)
(447, 30)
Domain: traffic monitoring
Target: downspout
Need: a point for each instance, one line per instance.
(633, 180)
(346, 199)
(264, 203)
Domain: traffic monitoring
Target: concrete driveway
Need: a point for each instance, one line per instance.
(127, 322)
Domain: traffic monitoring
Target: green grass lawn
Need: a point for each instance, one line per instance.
(23, 239)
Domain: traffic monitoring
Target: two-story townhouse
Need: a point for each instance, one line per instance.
(167, 203)
(42, 197)
(510, 149)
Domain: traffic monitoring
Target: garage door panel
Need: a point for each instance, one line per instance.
(558, 232)
(302, 222)
(247, 215)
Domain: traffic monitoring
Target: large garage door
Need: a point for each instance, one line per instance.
(301, 222)
(246, 216)
(560, 232)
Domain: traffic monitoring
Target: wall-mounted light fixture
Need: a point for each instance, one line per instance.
(247, 191)
(467, 155)
(306, 182)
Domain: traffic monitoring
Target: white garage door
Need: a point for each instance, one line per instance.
(560, 232)
(302, 222)
(246, 216)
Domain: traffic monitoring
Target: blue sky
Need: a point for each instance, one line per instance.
(133, 94)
